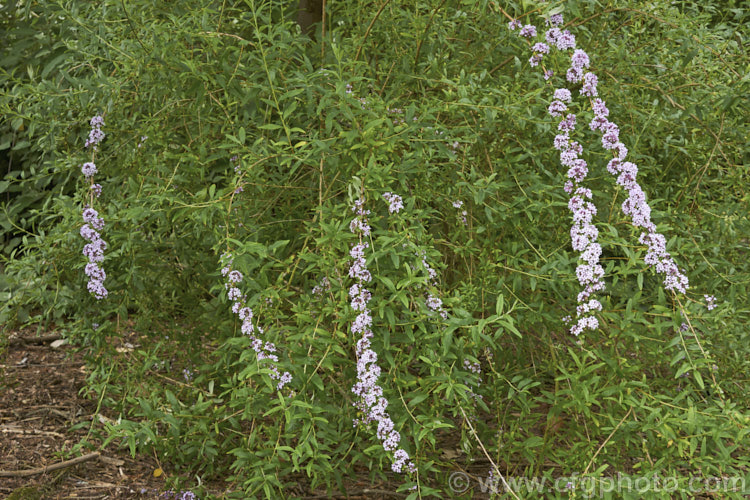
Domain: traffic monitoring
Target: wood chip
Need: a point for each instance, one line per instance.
(58, 343)
(112, 461)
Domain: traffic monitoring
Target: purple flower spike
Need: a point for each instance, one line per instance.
(263, 350)
(369, 395)
(568, 124)
(600, 108)
(583, 233)
(574, 75)
(97, 122)
(97, 289)
(94, 250)
(625, 172)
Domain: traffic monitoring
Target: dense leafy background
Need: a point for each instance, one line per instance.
(443, 107)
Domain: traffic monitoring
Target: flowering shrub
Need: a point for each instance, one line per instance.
(510, 181)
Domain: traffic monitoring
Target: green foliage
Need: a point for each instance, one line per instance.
(443, 107)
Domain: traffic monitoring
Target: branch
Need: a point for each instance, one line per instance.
(367, 33)
(29, 432)
(49, 468)
(35, 340)
(427, 28)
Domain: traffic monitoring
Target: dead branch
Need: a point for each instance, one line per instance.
(42, 339)
(49, 468)
(29, 432)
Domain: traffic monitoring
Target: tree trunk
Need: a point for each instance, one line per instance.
(309, 13)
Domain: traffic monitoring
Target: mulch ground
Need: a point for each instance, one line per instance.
(39, 404)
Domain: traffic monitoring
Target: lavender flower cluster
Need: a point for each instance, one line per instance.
(435, 304)
(94, 249)
(95, 135)
(475, 368)
(432, 302)
(170, 494)
(472, 367)
(458, 204)
(398, 113)
(370, 400)
(263, 350)
(324, 286)
(710, 302)
(583, 233)
(395, 203)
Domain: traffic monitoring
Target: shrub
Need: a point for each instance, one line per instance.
(229, 132)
